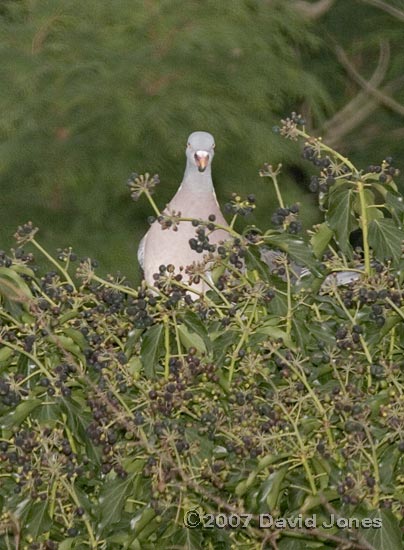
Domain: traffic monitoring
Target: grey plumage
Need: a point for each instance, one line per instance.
(195, 198)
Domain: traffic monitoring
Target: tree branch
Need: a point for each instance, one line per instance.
(313, 11)
(395, 12)
(361, 106)
(379, 95)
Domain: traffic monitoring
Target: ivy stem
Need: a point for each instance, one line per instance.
(241, 342)
(115, 286)
(325, 147)
(227, 228)
(177, 334)
(233, 220)
(70, 489)
(361, 338)
(289, 299)
(33, 358)
(277, 191)
(303, 455)
(152, 203)
(364, 224)
(52, 499)
(302, 377)
(54, 262)
(396, 309)
(167, 347)
(373, 459)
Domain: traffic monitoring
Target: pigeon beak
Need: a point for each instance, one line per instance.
(201, 160)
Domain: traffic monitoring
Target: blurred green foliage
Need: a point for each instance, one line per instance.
(94, 90)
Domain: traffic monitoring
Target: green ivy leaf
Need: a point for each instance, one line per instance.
(388, 536)
(395, 204)
(270, 327)
(112, 500)
(195, 325)
(319, 241)
(19, 414)
(385, 238)
(12, 285)
(255, 263)
(340, 216)
(372, 213)
(151, 349)
(15, 291)
(289, 543)
(67, 544)
(77, 337)
(222, 343)
(191, 339)
(5, 354)
(297, 249)
(65, 343)
(271, 488)
(141, 520)
(38, 520)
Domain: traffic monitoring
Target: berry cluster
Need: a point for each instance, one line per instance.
(287, 218)
(34, 457)
(171, 220)
(25, 233)
(386, 170)
(139, 310)
(322, 183)
(66, 255)
(200, 243)
(21, 257)
(5, 261)
(239, 206)
(139, 184)
(289, 126)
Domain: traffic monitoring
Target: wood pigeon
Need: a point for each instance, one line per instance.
(195, 198)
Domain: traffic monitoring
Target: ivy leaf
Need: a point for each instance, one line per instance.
(341, 218)
(395, 204)
(297, 249)
(15, 291)
(5, 354)
(151, 349)
(112, 500)
(271, 488)
(289, 543)
(195, 325)
(254, 262)
(222, 343)
(65, 343)
(369, 199)
(67, 544)
(191, 339)
(270, 327)
(143, 524)
(38, 520)
(19, 414)
(77, 337)
(385, 238)
(388, 536)
(13, 285)
(319, 241)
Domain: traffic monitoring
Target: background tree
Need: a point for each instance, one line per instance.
(93, 90)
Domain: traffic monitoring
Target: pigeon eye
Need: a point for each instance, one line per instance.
(188, 145)
(214, 145)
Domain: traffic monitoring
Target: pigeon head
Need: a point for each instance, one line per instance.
(200, 150)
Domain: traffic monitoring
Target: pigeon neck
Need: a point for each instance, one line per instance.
(198, 182)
